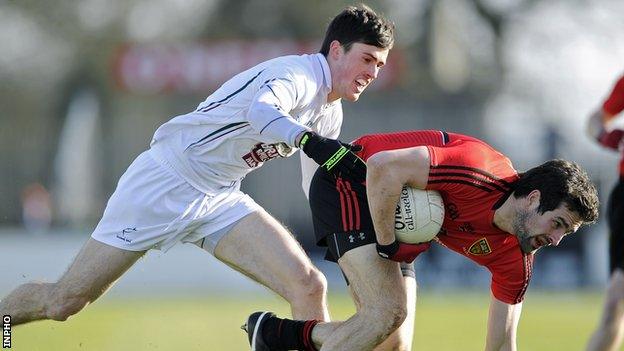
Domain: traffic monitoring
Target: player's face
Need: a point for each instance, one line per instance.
(352, 71)
(535, 230)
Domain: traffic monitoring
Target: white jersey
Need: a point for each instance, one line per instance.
(252, 118)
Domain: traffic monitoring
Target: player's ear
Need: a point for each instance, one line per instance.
(533, 199)
(335, 49)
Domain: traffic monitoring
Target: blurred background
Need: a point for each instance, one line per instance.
(84, 84)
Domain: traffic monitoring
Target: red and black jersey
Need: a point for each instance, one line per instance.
(473, 179)
(613, 106)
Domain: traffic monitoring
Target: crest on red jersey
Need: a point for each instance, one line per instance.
(480, 247)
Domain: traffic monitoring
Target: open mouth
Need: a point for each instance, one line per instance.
(360, 84)
(540, 241)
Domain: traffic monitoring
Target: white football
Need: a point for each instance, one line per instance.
(419, 215)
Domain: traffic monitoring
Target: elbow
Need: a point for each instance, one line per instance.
(379, 164)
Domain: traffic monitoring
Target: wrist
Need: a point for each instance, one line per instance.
(385, 240)
(300, 138)
(389, 250)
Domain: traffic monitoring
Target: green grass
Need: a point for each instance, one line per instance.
(550, 321)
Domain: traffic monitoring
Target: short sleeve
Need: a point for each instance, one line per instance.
(511, 274)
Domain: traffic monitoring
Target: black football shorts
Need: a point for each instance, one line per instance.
(341, 217)
(340, 214)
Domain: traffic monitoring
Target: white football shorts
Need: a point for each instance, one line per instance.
(153, 208)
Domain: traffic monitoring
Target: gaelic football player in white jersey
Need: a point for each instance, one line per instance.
(185, 188)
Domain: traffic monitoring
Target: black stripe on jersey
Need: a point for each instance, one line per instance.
(273, 92)
(459, 181)
(273, 120)
(216, 104)
(266, 82)
(478, 179)
(278, 107)
(476, 170)
(223, 130)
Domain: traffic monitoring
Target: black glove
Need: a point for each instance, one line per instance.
(334, 156)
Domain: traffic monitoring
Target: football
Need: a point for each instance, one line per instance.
(419, 215)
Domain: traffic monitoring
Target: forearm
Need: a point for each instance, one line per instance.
(502, 326)
(383, 190)
(268, 118)
(388, 172)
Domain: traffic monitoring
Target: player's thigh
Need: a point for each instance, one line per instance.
(96, 267)
(373, 281)
(260, 247)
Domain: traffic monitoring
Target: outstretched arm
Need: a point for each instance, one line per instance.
(502, 326)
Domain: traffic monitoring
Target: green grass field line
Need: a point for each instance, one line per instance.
(551, 321)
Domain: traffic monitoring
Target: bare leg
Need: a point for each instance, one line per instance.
(402, 338)
(608, 335)
(261, 248)
(379, 292)
(96, 267)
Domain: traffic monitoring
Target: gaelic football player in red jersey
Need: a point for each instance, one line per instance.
(608, 335)
(494, 216)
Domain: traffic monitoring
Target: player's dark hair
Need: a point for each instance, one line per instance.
(560, 181)
(359, 25)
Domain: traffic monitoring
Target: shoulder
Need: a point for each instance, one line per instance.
(472, 153)
(297, 66)
(303, 71)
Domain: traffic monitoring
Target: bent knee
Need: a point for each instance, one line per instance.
(396, 314)
(310, 285)
(62, 304)
(387, 317)
(66, 308)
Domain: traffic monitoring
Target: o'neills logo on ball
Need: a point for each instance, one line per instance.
(404, 219)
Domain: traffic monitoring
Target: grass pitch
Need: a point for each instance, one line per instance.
(550, 321)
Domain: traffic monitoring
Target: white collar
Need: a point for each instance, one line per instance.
(325, 70)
